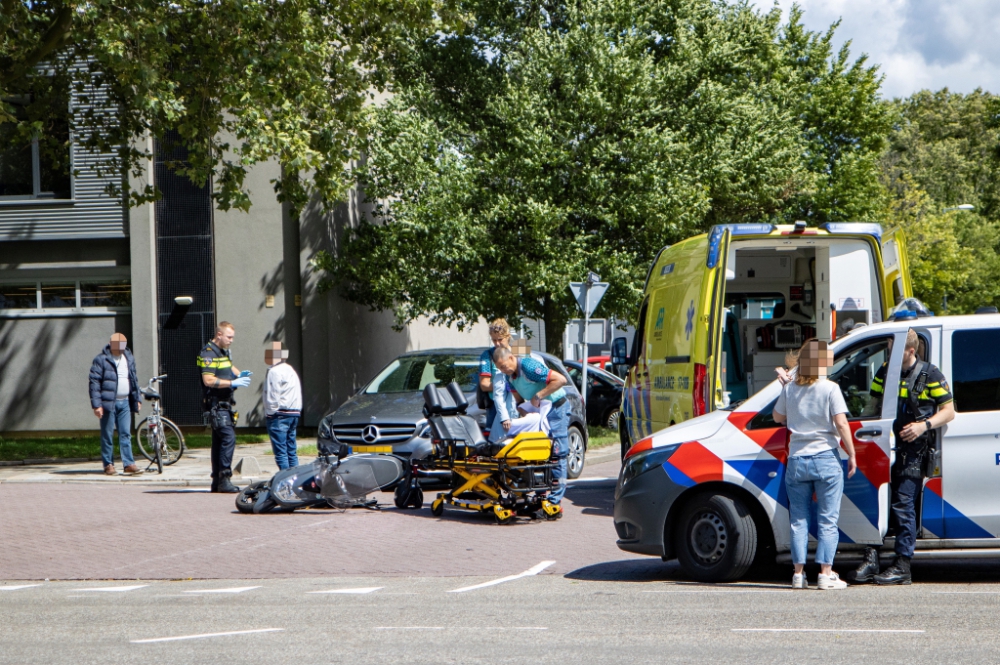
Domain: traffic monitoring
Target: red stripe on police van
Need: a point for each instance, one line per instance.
(697, 462)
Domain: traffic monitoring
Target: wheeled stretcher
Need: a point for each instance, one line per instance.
(508, 478)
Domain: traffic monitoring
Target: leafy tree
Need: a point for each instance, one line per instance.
(550, 138)
(242, 81)
(944, 152)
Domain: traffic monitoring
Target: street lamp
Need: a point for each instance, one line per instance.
(964, 206)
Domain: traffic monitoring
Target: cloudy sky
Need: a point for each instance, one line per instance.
(918, 43)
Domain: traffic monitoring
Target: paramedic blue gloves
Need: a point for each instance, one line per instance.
(241, 382)
(245, 372)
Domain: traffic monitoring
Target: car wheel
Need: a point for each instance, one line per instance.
(611, 422)
(715, 538)
(577, 453)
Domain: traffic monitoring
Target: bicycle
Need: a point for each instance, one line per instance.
(160, 440)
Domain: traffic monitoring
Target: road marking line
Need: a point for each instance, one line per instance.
(114, 588)
(368, 589)
(821, 630)
(965, 592)
(460, 628)
(591, 480)
(238, 589)
(204, 635)
(15, 587)
(409, 627)
(534, 570)
(721, 591)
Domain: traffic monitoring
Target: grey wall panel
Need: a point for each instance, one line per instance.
(44, 369)
(93, 212)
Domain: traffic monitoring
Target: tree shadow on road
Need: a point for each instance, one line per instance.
(597, 498)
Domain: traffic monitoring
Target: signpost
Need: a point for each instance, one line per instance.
(588, 294)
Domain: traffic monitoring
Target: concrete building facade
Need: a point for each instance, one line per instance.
(75, 269)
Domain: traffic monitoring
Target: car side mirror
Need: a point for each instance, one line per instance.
(619, 351)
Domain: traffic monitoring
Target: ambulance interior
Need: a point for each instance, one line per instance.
(779, 293)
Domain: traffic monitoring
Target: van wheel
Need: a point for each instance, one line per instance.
(715, 538)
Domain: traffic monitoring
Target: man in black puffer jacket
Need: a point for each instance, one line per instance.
(114, 396)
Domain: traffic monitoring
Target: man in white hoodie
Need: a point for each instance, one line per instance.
(282, 405)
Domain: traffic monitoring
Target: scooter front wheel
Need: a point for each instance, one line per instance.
(248, 496)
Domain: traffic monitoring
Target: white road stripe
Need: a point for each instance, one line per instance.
(477, 628)
(534, 570)
(721, 591)
(114, 588)
(368, 589)
(965, 592)
(15, 587)
(238, 589)
(204, 635)
(591, 480)
(820, 630)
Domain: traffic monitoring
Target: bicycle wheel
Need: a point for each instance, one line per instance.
(142, 439)
(158, 448)
(171, 443)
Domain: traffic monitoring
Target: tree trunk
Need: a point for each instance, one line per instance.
(555, 319)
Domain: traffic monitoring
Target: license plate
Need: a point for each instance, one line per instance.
(371, 449)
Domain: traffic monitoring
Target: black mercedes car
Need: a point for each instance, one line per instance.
(386, 415)
(604, 394)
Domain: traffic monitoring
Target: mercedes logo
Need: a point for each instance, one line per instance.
(370, 434)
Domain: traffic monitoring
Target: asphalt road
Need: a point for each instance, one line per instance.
(536, 619)
(147, 575)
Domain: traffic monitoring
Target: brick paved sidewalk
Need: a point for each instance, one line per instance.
(120, 531)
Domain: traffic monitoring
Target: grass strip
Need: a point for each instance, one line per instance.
(12, 450)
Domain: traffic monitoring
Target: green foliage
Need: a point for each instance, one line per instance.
(547, 139)
(242, 81)
(943, 153)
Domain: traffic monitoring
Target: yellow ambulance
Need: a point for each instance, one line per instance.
(720, 310)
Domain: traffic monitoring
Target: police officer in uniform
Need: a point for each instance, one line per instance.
(930, 406)
(219, 380)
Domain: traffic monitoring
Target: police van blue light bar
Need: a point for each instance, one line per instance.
(855, 228)
(715, 237)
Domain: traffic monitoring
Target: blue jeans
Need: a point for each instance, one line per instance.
(822, 475)
(559, 431)
(121, 417)
(281, 429)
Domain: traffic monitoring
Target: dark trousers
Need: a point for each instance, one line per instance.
(223, 446)
(905, 503)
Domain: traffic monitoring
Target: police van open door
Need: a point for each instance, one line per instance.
(896, 275)
(865, 509)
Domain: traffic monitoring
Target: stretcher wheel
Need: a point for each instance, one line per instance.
(503, 516)
(417, 498)
(437, 508)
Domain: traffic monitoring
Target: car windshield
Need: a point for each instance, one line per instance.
(409, 374)
(593, 373)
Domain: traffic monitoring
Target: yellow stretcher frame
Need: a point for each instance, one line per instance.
(487, 477)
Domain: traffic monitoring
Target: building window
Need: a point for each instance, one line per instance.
(61, 296)
(36, 167)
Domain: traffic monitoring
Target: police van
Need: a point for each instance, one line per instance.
(710, 491)
(721, 309)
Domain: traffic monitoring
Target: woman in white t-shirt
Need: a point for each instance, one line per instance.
(814, 410)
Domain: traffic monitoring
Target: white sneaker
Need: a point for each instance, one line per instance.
(831, 581)
(799, 582)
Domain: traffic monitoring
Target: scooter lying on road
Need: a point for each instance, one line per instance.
(333, 480)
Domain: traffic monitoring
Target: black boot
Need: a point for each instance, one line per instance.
(225, 486)
(897, 573)
(868, 569)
